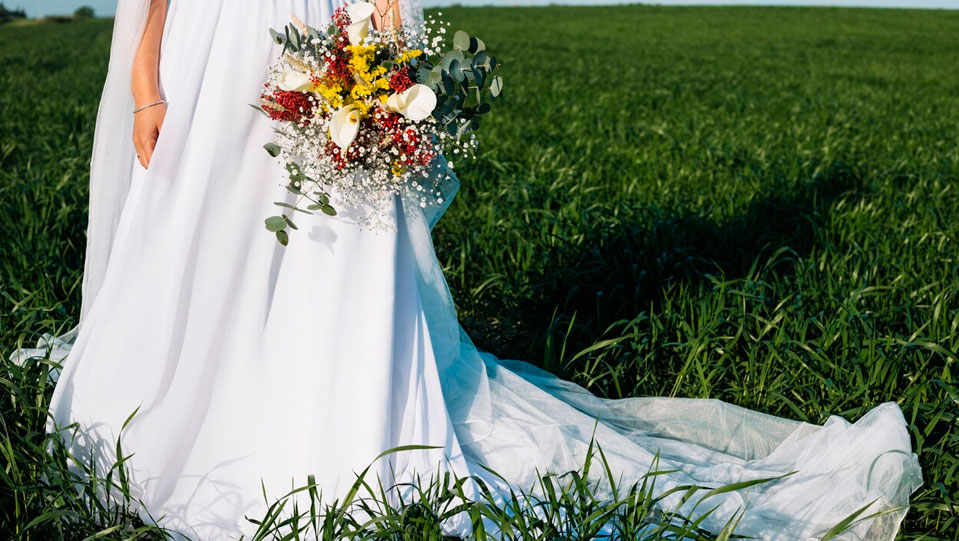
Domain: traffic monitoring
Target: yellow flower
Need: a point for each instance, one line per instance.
(332, 94)
(366, 77)
(398, 168)
(362, 106)
(408, 55)
(360, 91)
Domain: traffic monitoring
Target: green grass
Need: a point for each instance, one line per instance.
(752, 204)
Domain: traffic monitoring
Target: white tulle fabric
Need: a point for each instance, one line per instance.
(111, 165)
(253, 362)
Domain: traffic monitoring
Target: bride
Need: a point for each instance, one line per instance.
(247, 361)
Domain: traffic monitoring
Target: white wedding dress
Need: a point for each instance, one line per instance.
(250, 361)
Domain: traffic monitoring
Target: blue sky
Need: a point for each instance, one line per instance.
(106, 7)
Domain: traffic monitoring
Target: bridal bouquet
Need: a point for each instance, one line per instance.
(363, 114)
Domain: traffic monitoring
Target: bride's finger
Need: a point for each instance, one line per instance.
(139, 152)
(145, 155)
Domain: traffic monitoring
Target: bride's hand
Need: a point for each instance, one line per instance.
(146, 130)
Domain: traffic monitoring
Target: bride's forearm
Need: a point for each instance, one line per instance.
(145, 80)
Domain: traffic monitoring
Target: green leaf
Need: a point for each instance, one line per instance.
(450, 56)
(273, 149)
(423, 75)
(461, 40)
(289, 222)
(275, 223)
(328, 210)
(496, 86)
(481, 61)
(476, 45)
(289, 206)
(277, 37)
(479, 77)
(845, 523)
(283, 237)
(456, 72)
(294, 47)
(449, 86)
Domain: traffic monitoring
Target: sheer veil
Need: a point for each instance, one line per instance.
(111, 168)
(111, 165)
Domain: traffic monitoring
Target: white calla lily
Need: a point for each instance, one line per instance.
(295, 81)
(359, 27)
(394, 103)
(344, 125)
(415, 103)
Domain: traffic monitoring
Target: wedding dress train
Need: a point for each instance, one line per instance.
(247, 361)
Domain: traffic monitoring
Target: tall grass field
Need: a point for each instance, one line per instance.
(759, 205)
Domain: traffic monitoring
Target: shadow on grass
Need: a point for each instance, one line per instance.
(622, 266)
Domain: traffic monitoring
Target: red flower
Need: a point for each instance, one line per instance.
(338, 64)
(406, 139)
(297, 106)
(400, 80)
(341, 19)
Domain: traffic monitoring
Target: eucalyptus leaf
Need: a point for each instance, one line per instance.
(328, 210)
(481, 60)
(451, 56)
(496, 86)
(449, 85)
(456, 72)
(273, 149)
(289, 40)
(283, 237)
(478, 77)
(476, 45)
(275, 223)
(461, 40)
(423, 75)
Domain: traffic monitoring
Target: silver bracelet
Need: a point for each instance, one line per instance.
(147, 106)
